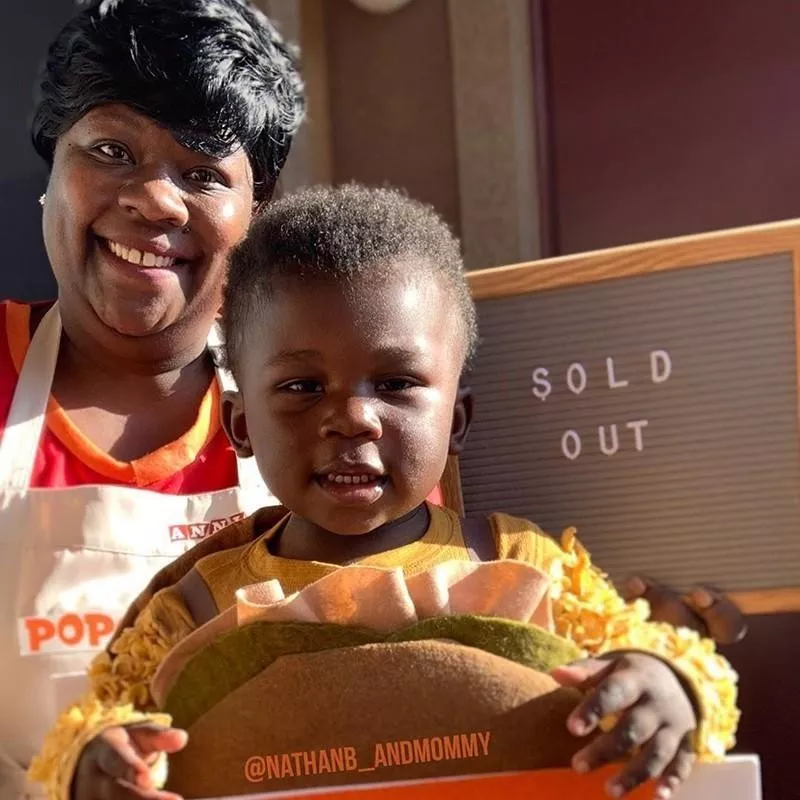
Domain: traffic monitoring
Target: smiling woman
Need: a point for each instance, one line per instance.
(165, 123)
(137, 228)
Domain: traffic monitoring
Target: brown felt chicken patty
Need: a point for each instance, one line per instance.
(447, 696)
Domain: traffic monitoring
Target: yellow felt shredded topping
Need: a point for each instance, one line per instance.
(587, 608)
(124, 675)
(75, 728)
(589, 611)
(120, 696)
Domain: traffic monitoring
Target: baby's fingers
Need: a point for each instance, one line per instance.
(637, 726)
(110, 789)
(677, 772)
(117, 757)
(150, 739)
(620, 690)
(650, 762)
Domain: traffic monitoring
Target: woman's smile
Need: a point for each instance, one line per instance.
(153, 263)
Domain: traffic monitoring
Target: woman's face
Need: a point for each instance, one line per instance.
(138, 228)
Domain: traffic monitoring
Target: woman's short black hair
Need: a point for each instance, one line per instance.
(350, 235)
(215, 73)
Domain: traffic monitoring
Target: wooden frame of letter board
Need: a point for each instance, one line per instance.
(650, 257)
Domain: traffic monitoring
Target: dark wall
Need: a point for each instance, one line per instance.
(671, 118)
(27, 28)
(766, 661)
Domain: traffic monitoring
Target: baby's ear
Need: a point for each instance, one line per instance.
(235, 423)
(462, 419)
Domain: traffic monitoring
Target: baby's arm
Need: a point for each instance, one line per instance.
(120, 694)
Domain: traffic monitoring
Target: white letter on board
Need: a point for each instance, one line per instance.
(571, 452)
(660, 366)
(578, 369)
(613, 383)
(609, 451)
(636, 427)
(541, 386)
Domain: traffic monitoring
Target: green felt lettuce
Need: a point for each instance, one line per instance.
(526, 644)
(238, 656)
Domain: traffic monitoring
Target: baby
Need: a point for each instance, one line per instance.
(348, 325)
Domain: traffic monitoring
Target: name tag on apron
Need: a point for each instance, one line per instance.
(197, 531)
(71, 632)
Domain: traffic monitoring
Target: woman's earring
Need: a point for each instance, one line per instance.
(41, 200)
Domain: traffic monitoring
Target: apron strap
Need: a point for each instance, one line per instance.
(216, 346)
(26, 419)
(25, 422)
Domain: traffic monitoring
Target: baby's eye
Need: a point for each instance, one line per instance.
(301, 387)
(395, 385)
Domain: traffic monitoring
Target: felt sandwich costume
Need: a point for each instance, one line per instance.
(417, 662)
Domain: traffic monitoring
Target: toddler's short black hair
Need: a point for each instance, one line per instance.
(351, 235)
(215, 73)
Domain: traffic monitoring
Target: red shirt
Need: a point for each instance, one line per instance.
(201, 460)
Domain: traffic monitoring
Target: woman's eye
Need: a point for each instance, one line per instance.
(205, 176)
(113, 151)
(301, 387)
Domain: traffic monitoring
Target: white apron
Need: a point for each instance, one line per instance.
(72, 560)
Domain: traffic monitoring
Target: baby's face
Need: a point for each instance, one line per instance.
(348, 397)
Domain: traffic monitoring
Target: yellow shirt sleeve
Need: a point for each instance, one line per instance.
(589, 611)
(119, 695)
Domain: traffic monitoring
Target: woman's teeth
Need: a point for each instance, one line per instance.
(134, 256)
(333, 478)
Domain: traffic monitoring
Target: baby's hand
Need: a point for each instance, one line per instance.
(655, 714)
(116, 764)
